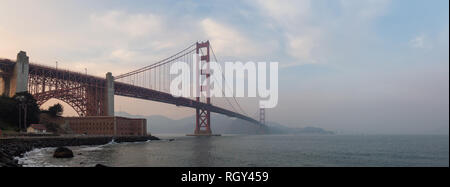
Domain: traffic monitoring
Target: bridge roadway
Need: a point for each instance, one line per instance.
(127, 90)
(122, 89)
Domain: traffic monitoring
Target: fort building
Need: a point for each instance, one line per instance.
(107, 126)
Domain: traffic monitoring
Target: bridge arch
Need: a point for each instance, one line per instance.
(85, 94)
(69, 110)
(70, 98)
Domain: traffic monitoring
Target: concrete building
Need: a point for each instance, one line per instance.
(107, 125)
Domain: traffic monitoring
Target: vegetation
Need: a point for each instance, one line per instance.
(52, 127)
(32, 107)
(9, 111)
(56, 110)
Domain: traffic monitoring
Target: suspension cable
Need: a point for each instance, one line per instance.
(234, 110)
(161, 62)
(223, 76)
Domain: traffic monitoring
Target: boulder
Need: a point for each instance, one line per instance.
(63, 152)
(7, 161)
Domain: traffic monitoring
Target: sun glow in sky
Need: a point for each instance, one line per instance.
(355, 66)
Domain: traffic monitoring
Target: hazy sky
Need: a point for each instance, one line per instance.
(354, 66)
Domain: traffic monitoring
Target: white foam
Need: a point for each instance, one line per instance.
(31, 158)
(97, 148)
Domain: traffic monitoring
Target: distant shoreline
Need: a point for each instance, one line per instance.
(16, 147)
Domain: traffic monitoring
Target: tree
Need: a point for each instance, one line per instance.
(8, 113)
(56, 110)
(9, 110)
(52, 127)
(32, 107)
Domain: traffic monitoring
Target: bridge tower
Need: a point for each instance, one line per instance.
(203, 116)
(262, 121)
(262, 116)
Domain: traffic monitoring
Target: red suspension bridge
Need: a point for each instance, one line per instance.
(94, 96)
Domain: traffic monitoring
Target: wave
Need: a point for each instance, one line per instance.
(96, 148)
(34, 158)
(42, 157)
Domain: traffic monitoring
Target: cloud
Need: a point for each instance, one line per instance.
(227, 41)
(311, 37)
(123, 54)
(418, 42)
(364, 10)
(133, 40)
(292, 19)
(301, 47)
(133, 25)
(286, 12)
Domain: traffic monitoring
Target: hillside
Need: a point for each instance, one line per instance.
(222, 125)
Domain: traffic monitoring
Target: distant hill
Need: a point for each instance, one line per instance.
(275, 128)
(222, 125)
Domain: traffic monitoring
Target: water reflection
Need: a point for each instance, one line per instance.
(202, 151)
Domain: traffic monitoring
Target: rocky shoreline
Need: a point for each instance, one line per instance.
(16, 147)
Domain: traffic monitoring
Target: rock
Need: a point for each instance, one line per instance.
(100, 166)
(7, 161)
(16, 147)
(63, 152)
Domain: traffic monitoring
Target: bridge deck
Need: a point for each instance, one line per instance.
(152, 95)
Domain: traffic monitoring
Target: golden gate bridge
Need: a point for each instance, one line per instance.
(94, 96)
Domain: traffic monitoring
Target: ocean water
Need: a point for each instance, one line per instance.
(258, 151)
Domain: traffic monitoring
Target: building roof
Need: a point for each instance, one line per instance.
(38, 126)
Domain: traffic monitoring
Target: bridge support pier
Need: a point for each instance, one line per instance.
(17, 80)
(109, 97)
(203, 123)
